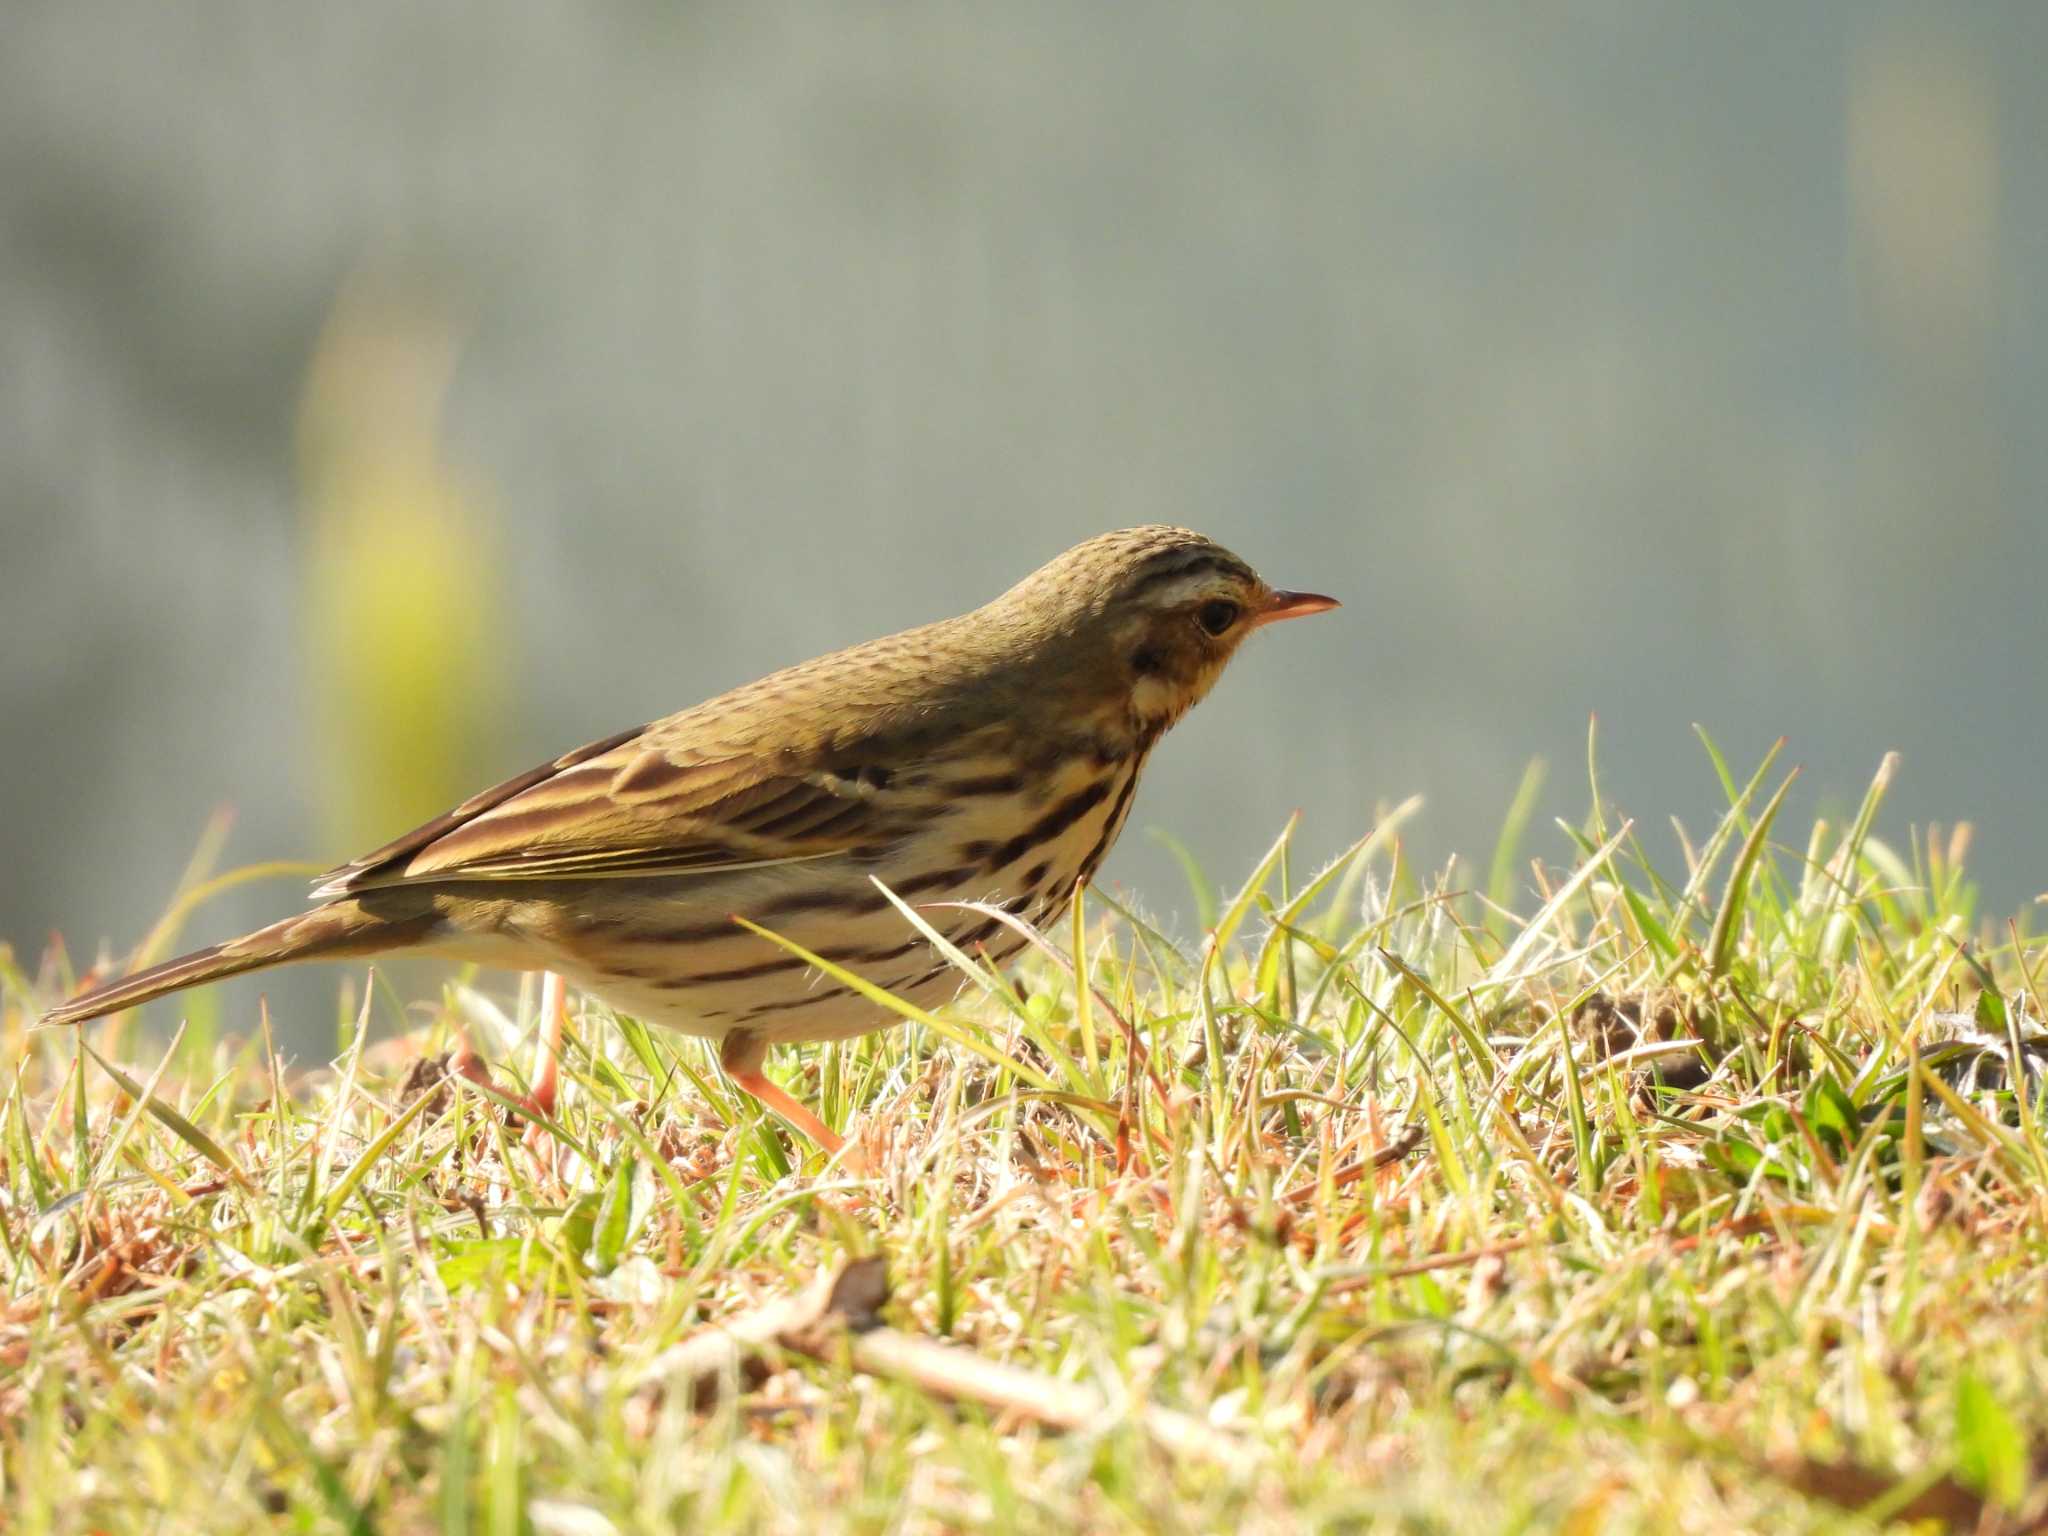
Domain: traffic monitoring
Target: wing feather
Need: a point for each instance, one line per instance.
(812, 762)
(633, 806)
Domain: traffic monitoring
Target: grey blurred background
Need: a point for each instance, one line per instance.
(393, 396)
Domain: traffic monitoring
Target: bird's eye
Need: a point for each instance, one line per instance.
(1216, 615)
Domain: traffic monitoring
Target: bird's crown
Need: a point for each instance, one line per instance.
(1149, 566)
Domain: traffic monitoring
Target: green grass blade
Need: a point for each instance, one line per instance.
(168, 1117)
(1728, 919)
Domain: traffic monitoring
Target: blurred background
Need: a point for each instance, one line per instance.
(395, 396)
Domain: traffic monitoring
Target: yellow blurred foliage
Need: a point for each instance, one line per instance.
(400, 626)
(1924, 190)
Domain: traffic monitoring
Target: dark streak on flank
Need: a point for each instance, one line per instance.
(979, 932)
(856, 903)
(791, 963)
(986, 784)
(960, 874)
(808, 1001)
(826, 899)
(693, 933)
(1053, 822)
(997, 954)
(1112, 825)
(743, 973)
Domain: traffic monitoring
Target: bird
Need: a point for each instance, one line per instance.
(987, 758)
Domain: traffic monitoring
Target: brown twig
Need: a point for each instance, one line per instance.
(1407, 1141)
(837, 1320)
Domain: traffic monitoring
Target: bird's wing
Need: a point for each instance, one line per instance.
(638, 804)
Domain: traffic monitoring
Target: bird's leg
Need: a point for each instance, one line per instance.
(547, 1067)
(466, 1061)
(742, 1055)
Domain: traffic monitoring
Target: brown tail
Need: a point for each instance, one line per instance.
(325, 933)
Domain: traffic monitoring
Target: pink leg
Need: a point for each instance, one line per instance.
(547, 1067)
(741, 1056)
(465, 1061)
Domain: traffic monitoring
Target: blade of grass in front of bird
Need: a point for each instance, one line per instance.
(1084, 989)
(524, 1110)
(81, 1118)
(1032, 1028)
(1341, 967)
(1504, 972)
(278, 1120)
(1839, 895)
(1475, 1042)
(168, 1117)
(1233, 915)
(1995, 1137)
(905, 1009)
(1226, 926)
(319, 1166)
(1153, 941)
(679, 1192)
(31, 1164)
(614, 1216)
(1735, 819)
(1651, 926)
(1722, 938)
(1038, 941)
(958, 958)
(641, 1043)
(1500, 875)
(1191, 869)
(367, 1159)
(1598, 821)
(1729, 792)
(1575, 1102)
(1286, 922)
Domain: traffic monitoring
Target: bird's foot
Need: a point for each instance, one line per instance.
(770, 1095)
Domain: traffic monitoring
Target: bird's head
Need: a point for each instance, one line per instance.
(1146, 618)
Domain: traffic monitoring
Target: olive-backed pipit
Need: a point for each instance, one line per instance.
(990, 757)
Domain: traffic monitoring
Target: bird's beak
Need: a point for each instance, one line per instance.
(1293, 605)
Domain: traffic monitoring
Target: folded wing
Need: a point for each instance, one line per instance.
(634, 806)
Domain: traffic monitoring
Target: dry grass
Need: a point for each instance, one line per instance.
(1696, 1200)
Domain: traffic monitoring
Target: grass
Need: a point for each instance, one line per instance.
(1692, 1199)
